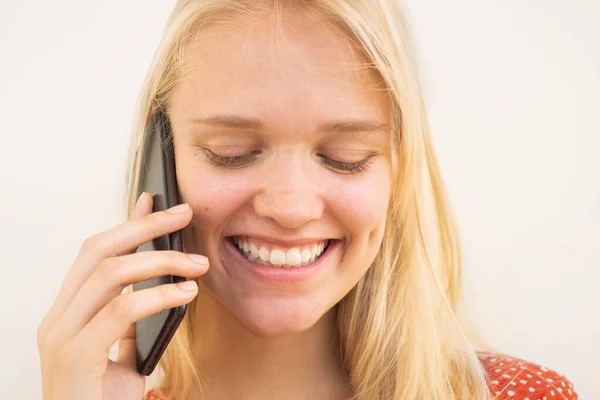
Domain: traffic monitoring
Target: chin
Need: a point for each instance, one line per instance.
(277, 318)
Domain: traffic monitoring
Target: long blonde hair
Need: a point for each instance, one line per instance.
(399, 330)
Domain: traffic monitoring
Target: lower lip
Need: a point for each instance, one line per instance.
(281, 275)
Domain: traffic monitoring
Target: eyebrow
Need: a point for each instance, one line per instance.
(341, 126)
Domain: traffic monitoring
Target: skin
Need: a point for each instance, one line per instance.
(255, 334)
(90, 314)
(256, 339)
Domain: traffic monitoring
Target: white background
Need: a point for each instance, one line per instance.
(513, 91)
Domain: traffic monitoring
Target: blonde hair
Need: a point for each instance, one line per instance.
(399, 330)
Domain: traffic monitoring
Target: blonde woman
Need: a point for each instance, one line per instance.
(309, 182)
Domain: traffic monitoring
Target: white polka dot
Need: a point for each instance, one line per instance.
(506, 376)
(531, 389)
(523, 381)
(529, 375)
(510, 393)
(559, 390)
(498, 370)
(552, 392)
(549, 380)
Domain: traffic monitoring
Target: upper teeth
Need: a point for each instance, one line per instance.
(277, 257)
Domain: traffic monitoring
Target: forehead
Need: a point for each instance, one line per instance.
(294, 69)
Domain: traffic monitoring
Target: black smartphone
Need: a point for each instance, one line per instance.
(153, 333)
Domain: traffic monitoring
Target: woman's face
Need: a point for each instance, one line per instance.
(282, 147)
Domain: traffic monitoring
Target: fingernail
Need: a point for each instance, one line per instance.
(178, 209)
(188, 286)
(198, 258)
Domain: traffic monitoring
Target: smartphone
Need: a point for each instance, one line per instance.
(153, 333)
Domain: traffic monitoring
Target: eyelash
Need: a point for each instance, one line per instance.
(238, 161)
(233, 161)
(349, 167)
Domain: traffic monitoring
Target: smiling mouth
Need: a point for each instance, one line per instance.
(294, 257)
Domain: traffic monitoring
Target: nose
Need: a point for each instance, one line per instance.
(288, 195)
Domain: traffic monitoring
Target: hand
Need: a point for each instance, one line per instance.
(91, 312)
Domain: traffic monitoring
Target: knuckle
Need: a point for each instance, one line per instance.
(91, 243)
(151, 224)
(121, 308)
(42, 332)
(164, 262)
(150, 221)
(46, 341)
(108, 270)
(178, 255)
(167, 294)
(175, 258)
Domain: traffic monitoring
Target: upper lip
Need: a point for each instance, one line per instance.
(286, 242)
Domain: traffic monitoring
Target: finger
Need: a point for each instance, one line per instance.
(114, 274)
(114, 320)
(127, 354)
(125, 238)
(143, 206)
(78, 273)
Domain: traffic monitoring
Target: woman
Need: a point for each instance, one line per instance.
(309, 181)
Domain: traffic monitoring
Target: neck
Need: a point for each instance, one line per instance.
(236, 362)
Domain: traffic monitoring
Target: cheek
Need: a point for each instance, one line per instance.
(362, 204)
(211, 196)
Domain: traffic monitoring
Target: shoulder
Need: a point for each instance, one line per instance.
(510, 378)
(518, 379)
(156, 394)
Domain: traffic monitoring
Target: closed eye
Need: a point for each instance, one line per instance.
(231, 161)
(244, 159)
(348, 166)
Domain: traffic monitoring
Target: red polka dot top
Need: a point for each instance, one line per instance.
(509, 379)
(517, 379)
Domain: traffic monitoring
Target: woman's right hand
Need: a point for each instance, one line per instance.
(90, 312)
